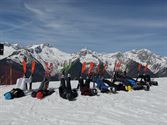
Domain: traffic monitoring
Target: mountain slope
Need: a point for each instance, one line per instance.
(9, 49)
(44, 53)
(144, 56)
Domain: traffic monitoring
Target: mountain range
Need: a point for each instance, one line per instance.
(14, 54)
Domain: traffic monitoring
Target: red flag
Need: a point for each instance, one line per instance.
(83, 67)
(91, 67)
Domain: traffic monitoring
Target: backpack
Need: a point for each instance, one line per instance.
(8, 95)
(14, 93)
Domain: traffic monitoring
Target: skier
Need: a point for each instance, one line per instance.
(14, 93)
(126, 83)
(65, 90)
(43, 90)
(102, 86)
(129, 83)
(145, 78)
(24, 82)
(85, 87)
(62, 88)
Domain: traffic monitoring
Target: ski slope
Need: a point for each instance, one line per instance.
(125, 108)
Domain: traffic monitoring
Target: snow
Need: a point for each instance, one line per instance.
(89, 58)
(44, 52)
(53, 55)
(8, 50)
(125, 108)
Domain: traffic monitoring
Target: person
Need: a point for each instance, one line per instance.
(85, 87)
(43, 90)
(24, 82)
(65, 90)
(62, 87)
(146, 79)
(129, 83)
(102, 86)
(118, 86)
(14, 93)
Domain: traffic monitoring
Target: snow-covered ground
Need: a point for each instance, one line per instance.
(125, 108)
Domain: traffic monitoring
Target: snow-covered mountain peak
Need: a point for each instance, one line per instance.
(85, 51)
(141, 51)
(145, 56)
(9, 49)
(19, 55)
(46, 53)
(14, 46)
(86, 55)
(40, 45)
(46, 48)
(38, 48)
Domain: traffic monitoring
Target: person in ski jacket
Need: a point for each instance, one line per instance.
(101, 85)
(68, 85)
(24, 82)
(65, 90)
(14, 93)
(43, 90)
(85, 87)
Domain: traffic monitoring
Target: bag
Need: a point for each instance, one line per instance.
(14, 93)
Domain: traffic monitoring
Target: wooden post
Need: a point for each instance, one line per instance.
(6, 75)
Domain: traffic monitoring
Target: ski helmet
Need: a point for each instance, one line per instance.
(39, 95)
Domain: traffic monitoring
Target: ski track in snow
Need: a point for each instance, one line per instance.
(125, 108)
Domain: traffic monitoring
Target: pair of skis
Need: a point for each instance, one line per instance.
(24, 63)
(101, 68)
(43, 90)
(83, 70)
(145, 68)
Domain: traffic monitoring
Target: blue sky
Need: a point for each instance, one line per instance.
(100, 25)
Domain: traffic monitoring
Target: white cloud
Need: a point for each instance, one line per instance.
(38, 12)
